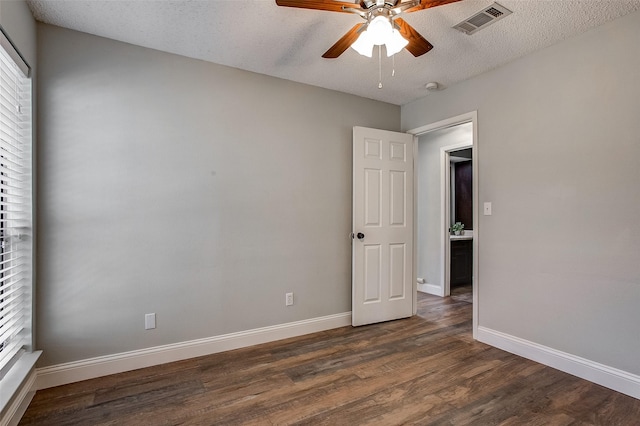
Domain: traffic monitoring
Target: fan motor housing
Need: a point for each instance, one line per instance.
(367, 4)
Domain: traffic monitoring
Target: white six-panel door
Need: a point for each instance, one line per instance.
(382, 268)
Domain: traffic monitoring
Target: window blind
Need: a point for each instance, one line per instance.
(15, 204)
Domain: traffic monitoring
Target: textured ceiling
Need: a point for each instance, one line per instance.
(288, 43)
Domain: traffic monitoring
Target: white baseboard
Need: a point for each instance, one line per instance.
(70, 372)
(612, 378)
(431, 289)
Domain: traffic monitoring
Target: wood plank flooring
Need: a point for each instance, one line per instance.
(424, 370)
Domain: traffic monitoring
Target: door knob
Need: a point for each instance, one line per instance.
(360, 236)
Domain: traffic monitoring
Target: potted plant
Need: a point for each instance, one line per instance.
(457, 228)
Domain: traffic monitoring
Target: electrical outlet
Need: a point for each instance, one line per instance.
(487, 209)
(149, 321)
(288, 299)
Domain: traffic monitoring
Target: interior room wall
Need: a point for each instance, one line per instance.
(429, 208)
(558, 148)
(191, 190)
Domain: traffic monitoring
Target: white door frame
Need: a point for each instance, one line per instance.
(471, 117)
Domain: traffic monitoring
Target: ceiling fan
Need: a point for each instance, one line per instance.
(382, 24)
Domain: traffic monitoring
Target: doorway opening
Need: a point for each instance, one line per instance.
(447, 192)
(460, 226)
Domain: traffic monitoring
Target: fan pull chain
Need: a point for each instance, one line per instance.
(393, 64)
(379, 66)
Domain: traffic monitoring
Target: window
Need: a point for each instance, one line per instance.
(15, 204)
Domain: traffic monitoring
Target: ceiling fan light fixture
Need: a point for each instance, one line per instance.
(395, 43)
(364, 45)
(379, 31)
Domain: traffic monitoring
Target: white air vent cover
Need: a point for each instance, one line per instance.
(483, 19)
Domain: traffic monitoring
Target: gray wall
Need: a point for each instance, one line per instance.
(196, 191)
(429, 208)
(558, 154)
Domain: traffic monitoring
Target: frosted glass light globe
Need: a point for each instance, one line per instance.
(379, 30)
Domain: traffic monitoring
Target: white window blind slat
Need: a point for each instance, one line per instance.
(15, 203)
(8, 258)
(11, 298)
(13, 314)
(6, 137)
(8, 222)
(8, 174)
(10, 278)
(15, 199)
(13, 206)
(8, 98)
(13, 347)
(7, 187)
(8, 254)
(6, 106)
(14, 324)
(14, 164)
(11, 135)
(12, 154)
(8, 268)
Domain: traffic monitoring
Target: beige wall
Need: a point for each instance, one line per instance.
(558, 149)
(196, 191)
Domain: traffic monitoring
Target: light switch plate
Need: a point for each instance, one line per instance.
(149, 321)
(487, 209)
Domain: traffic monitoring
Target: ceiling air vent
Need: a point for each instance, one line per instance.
(483, 19)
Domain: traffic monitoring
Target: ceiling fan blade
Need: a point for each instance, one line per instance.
(418, 45)
(330, 5)
(344, 43)
(426, 4)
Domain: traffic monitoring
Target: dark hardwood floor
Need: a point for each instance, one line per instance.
(422, 370)
(462, 293)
